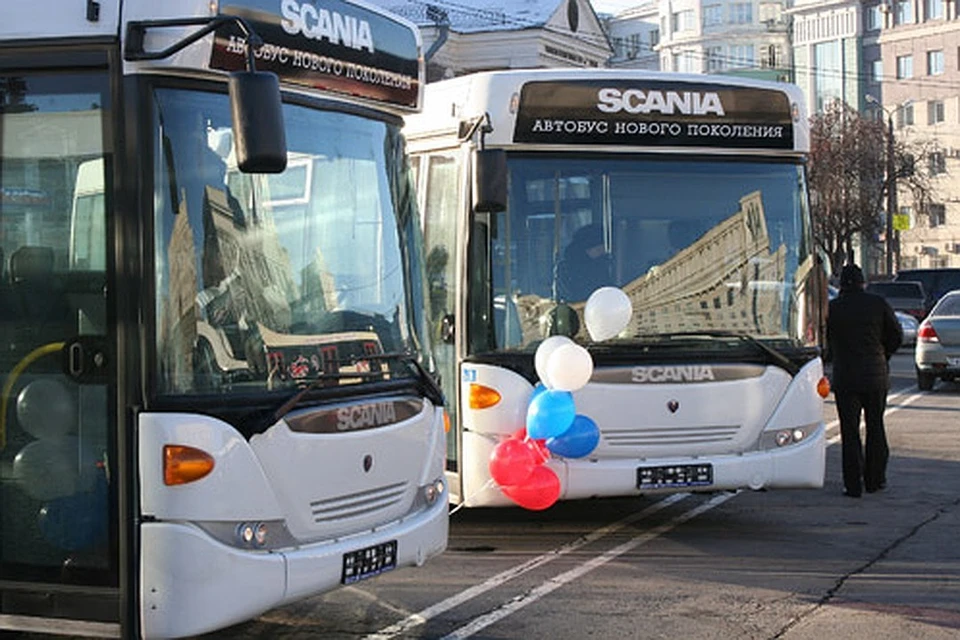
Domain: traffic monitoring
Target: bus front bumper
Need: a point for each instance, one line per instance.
(800, 465)
(191, 583)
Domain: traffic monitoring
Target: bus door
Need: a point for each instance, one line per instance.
(58, 558)
(440, 181)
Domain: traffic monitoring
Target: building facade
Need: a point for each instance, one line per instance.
(635, 36)
(467, 36)
(919, 44)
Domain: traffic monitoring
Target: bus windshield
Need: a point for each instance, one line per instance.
(700, 245)
(271, 281)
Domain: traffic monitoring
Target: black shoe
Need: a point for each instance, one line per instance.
(879, 487)
(851, 494)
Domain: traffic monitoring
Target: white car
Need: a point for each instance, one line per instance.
(938, 343)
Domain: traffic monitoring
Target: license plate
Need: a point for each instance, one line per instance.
(953, 362)
(369, 562)
(676, 475)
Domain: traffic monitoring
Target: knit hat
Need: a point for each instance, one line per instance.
(851, 276)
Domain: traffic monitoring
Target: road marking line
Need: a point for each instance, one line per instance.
(547, 587)
(434, 610)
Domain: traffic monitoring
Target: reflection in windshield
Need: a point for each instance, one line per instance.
(269, 281)
(696, 245)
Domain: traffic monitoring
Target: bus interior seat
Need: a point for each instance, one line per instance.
(36, 293)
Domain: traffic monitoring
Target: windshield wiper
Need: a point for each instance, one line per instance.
(778, 358)
(426, 382)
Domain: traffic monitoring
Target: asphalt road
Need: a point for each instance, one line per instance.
(798, 565)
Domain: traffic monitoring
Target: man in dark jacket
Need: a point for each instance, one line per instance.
(862, 334)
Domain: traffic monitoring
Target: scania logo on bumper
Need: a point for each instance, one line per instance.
(682, 373)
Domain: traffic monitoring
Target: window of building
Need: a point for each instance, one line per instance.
(633, 45)
(904, 67)
(935, 63)
(827, 73)
(933, 9)
(712, 15)
(741, 55)
(904, 115)
(937, 214)
(683, 20)
(935, 112)
(936, 163)
(903, 12)
(873, 17)
(741, 13)
(654, 38)
(714, 59)
(876, 71)
(770, 56)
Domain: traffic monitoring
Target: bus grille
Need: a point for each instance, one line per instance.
(667, 436)
(358, 504)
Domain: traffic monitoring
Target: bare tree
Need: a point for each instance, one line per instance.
(848, 181)
(846, 174)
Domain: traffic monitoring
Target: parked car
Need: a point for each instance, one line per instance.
(936, 282)
(910, 326)
(938, 343)
(908, 297)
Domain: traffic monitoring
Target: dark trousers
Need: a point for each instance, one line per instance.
(870, 465)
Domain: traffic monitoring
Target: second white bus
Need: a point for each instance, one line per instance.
(686, 192)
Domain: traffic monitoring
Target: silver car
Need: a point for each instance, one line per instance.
(937, 354)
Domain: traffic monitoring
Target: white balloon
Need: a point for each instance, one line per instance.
(607, 313)
(542, 356)
(47, 409)
(569, 367)
(54, 467)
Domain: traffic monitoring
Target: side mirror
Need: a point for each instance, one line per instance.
(490, 189)
(258, 130)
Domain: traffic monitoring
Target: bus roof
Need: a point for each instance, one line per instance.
(345, 47)
(619, 110)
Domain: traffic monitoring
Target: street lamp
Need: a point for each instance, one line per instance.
(892, 181)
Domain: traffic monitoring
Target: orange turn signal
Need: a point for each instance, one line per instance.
(446, 422)
(483, 397)
(183, 464)
(823, 387)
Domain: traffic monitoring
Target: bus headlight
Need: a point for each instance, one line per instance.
(433, 491)
(253, 535)
(775, 439)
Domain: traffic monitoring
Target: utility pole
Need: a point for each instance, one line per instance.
(891, 196)
(891, 189)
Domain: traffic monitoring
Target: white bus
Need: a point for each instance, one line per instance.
(217, 391)
(686, 192)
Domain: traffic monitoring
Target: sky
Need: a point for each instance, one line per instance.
(613, 6)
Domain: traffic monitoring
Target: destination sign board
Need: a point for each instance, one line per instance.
(653, 113)
(331, 45)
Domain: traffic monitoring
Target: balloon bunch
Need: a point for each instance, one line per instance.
(553, 425)
(59, 469)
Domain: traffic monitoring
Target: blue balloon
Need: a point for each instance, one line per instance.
(550, 413)
(537, 390)
(578, 441)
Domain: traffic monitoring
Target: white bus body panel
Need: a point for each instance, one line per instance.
(191, 582)
(770, 402)
(58, 19)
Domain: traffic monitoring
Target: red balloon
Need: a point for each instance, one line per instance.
(511, 462)
(541, 452)
(539, 492)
